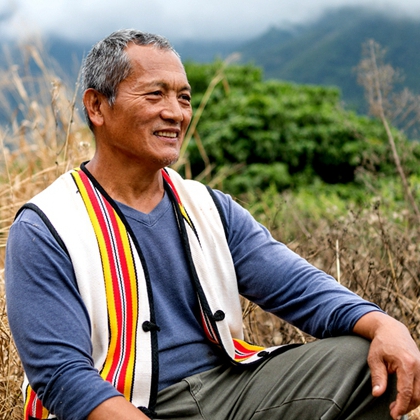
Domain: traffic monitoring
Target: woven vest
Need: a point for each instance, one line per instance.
(112, 279)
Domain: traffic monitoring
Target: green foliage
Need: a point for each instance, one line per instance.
(258, 176)
(282, 134)
(291, 214)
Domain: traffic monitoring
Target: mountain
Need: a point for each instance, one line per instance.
(205, 51)
(321, 52)
(326, 52)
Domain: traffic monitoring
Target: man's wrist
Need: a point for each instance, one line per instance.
(116, 408)
(369, 323)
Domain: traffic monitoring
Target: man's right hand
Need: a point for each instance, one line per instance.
(116, 408)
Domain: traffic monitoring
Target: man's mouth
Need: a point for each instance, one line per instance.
(169, 134)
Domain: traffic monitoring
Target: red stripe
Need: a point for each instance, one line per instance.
(38, 407)
(117, 378)
(115, 374)
(127, 292)
(243, 350)
(104, 228)
(169, 181)
(29, 404)
(33, 405)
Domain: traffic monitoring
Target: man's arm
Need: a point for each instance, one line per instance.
(297, 292)
(116, 408)
(281, 282)
(392, 350)
(50, 323)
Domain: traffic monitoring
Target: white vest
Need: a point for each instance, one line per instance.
(65, 208)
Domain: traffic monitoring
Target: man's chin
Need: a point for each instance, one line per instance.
(169, 161)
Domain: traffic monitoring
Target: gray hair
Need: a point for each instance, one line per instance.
(107, 63)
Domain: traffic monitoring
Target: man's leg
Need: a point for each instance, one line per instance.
(327, 379)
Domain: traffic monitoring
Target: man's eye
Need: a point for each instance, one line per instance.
(156, 93)
(186, 97)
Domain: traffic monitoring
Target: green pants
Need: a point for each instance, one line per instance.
(328, 379)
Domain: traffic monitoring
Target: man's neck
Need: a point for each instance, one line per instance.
(139, 189)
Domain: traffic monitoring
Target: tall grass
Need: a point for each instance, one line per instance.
(44, 137)
(373, 250)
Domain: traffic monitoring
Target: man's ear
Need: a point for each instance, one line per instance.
(94, 103)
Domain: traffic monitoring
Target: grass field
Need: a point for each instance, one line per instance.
(373, 250)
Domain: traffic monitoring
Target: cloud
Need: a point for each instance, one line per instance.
(7, 11)
(90, 20)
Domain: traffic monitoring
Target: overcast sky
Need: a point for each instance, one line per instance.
(91, 20)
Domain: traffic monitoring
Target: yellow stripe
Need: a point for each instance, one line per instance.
(107, 277)
(251, 347)
(185, 215)
(130, 347)
(45, 413)
(28, 410)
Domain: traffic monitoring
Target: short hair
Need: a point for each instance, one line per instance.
(107, 63)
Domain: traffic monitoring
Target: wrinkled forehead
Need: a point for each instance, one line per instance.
(151, 56)
(154, 65)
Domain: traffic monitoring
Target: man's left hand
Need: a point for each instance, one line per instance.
(392, 350)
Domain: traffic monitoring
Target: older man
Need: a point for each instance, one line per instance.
(123, 282)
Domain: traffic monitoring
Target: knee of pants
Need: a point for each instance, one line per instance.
(348, 349)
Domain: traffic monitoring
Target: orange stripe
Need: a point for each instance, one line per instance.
(120, 284)
(244, 350)
(33, 406)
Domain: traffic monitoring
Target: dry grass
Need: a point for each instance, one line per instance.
(47, 140)
(372, 254)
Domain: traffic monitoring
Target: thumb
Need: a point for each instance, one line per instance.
(379, 375)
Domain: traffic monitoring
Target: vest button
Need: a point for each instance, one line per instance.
(149, 326)
(219, 315)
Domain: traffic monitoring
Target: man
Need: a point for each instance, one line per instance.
(123, 280)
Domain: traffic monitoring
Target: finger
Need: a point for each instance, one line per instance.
(379, 375)
(405, 389)
(415, 394)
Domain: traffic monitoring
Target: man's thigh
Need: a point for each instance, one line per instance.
(327, 379)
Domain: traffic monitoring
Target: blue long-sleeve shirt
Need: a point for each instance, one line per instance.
(51, 326)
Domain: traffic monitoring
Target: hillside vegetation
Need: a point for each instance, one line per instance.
(322, 179)
(262, 134)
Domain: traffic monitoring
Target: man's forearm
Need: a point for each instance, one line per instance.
(116, 408)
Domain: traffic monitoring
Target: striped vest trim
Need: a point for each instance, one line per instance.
(33, 409)
(120, 280)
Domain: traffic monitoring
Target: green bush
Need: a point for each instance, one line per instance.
(284, 134)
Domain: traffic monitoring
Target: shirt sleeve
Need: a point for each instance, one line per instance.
(281, 282)
(49, 322)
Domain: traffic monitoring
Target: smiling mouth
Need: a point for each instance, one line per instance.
(169, 134)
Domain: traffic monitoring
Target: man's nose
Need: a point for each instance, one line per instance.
(172, 110)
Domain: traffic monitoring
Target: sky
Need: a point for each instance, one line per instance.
(91, 20)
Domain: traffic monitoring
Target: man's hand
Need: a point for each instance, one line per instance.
(392, 350)
(116, 408)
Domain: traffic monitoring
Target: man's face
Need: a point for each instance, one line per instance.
(152, 110)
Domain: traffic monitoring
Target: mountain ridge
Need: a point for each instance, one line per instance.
(324, 51)
(327, 51)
